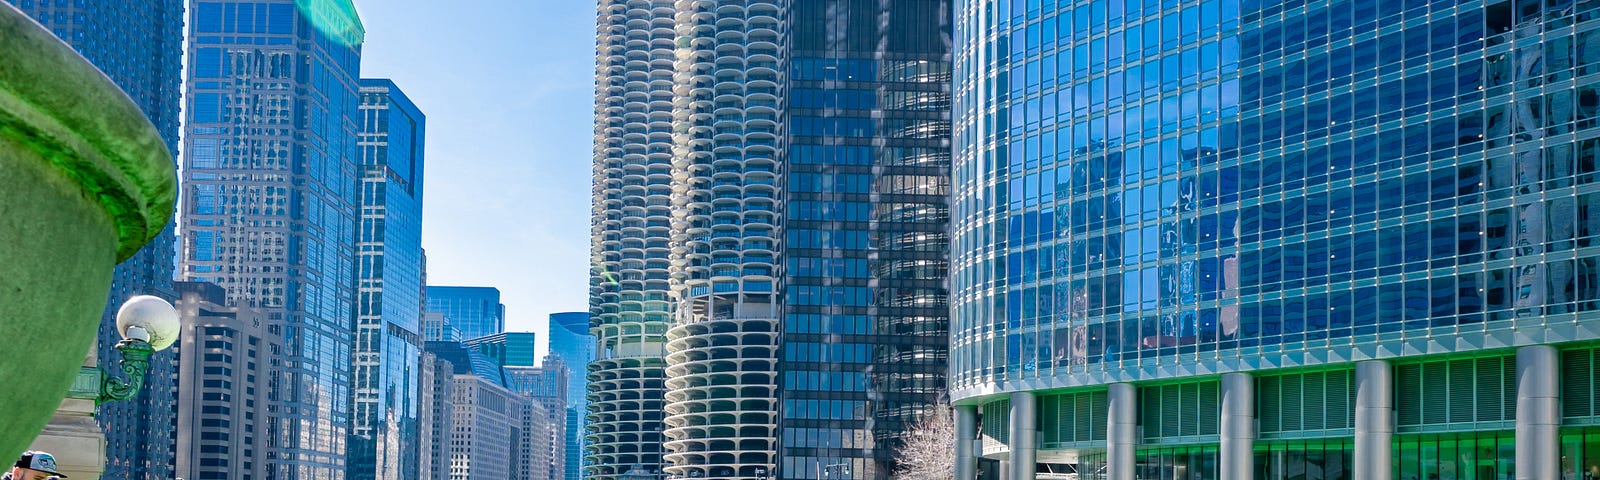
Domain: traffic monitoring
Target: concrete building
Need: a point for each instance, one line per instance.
(486, 429)
(139, 45)
(545, 386)
(1326, 239)
(389, 304)
(436, 417)
(229, 359)
(270, 201)
(436, 327)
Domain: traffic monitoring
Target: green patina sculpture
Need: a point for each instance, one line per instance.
(85, 181)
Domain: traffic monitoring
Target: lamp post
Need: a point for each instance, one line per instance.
(148, 325)
(761, 474)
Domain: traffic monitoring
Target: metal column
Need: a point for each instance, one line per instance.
(1238, 426)
(1374, 420)
(1024, 435)
(966, 442)
(1122, 430)
(1538, 412)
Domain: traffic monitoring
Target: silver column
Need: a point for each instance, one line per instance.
(1238, 428)
(1374, 420)
(1538, 412)
(966, 442)
(1122, 430)
(1024, 435)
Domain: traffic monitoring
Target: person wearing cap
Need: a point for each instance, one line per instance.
(34, 466)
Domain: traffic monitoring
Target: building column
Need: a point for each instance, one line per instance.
(966, 442)
(1374, 420)
(1538, 412)
(1238, 428)
(1024, 435)
(1122, 430)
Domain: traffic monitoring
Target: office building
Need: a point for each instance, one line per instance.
(437, 378)
(437, 328)
(1219, 239)
(509, 349)
(546, 386)
(384, 428)
(847, 150)
(570, 340)
(486, 425)
(228, 359)
(476, 311)
(866, 260)
(269, 200)
(139, 45)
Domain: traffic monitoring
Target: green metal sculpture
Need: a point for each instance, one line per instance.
(85, 181)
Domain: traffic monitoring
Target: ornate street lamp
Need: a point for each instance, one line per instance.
(761, 474)
(148, 325)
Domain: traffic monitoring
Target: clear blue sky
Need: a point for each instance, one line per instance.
(508, 88)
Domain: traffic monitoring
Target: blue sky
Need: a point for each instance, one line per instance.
(508, 88)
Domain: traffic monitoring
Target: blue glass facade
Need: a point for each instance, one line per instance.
(1170, 190)
(475, 311)
(139, 46)
(384, 429)
(270, 202)
(866, 215)
(570, 339)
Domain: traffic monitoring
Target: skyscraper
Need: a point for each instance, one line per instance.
(866, 251)
(1223, 239)
(388, 340)
(270, 200)
(139, 45)
(707, 154)
(226, 363)
(475, 311)
(570, 339)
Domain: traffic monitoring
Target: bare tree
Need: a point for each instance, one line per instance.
(929, 452)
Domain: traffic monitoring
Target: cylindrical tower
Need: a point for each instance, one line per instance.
(722, 367)
(632, 231)
(722, 398)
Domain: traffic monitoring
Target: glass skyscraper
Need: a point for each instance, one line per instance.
(570, 340)
(1276, 239)
(388, 341)
(270, 202)
(770, 176)
(139, 45)
(475, 311)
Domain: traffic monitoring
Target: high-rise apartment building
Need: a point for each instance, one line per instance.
(139, 45)
(389, 288)
(570, 340)
(1309, 239)
(270, 197)
(769, 176)
(476, 311)
(228, 358)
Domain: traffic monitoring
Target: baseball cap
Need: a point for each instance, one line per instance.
(40, 461)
